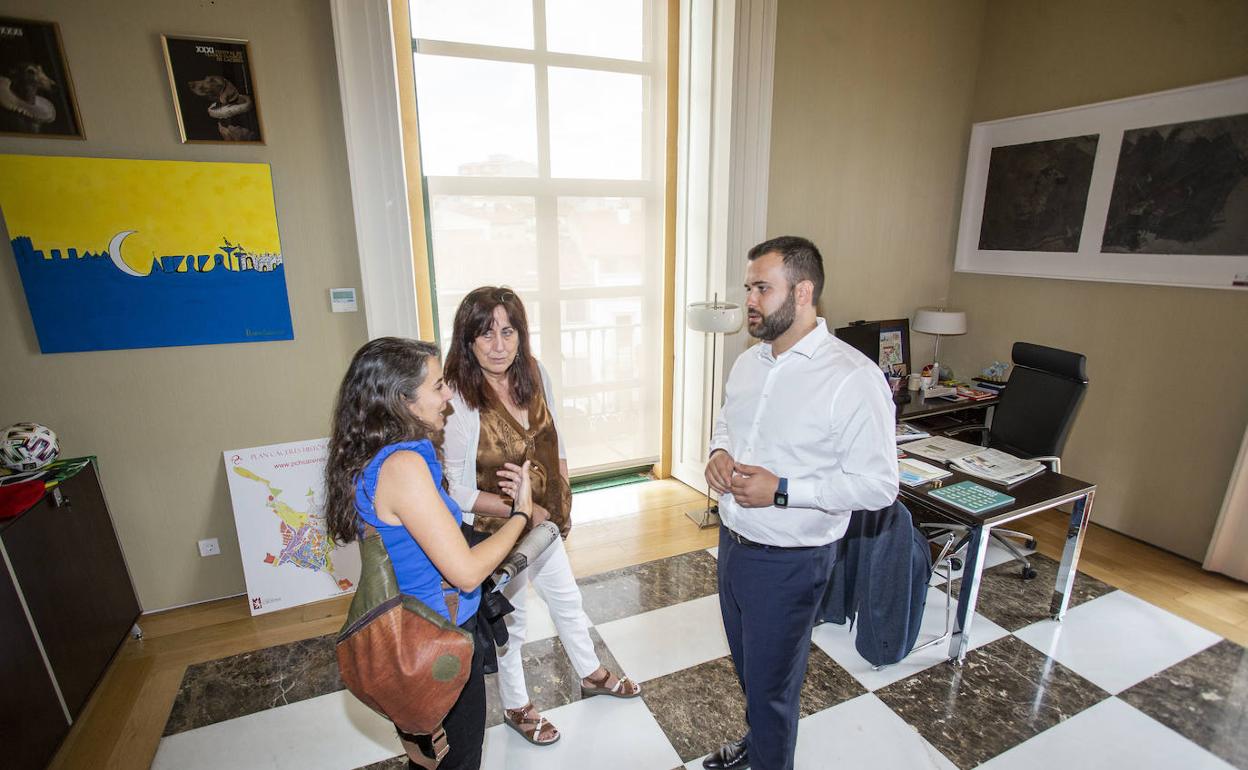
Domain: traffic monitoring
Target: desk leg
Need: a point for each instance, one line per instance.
(968, 596)
(1080, 512)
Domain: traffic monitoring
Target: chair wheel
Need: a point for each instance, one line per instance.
(1029, 573)
(1030, 544)
(955, 563)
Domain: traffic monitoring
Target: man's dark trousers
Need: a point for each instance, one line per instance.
(769, 598)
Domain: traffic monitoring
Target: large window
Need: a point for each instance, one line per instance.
(542, 141)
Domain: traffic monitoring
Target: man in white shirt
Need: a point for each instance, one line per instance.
(805, 436)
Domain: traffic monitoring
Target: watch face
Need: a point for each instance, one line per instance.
(782, 499)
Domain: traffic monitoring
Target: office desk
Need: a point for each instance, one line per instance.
(1048, 490)
(920, 407)
(1041, 493)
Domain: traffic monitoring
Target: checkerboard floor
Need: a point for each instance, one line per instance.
(1120, 682)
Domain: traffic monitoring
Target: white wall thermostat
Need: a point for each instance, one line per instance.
(342, 300)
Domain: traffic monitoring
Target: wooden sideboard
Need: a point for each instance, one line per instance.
(66, 606)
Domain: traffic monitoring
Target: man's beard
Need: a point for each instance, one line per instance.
(777, 322)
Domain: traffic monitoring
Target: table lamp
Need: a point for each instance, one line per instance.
(938, 321)
(712, 318)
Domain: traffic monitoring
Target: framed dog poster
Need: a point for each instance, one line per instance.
(214, 92)
(36, 93)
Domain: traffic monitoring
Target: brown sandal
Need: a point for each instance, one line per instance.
(624, 687)
(531, 725)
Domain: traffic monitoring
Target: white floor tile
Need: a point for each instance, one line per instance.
(597, 733)
(1117, 640)
(332, 731)
(713, 551)
(669, 639)
(838, 643)
(1110, 734)
(862, 732)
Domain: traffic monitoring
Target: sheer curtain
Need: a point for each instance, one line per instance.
(542, 137)
(1228, 550)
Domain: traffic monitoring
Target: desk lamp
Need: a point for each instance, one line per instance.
(712, 318)
(940, 322)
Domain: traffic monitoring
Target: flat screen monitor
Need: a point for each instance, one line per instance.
(885, 342)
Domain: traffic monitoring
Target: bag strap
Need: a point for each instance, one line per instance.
(451, 598)
(415, 752)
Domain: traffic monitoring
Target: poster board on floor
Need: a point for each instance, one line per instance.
(278, 495)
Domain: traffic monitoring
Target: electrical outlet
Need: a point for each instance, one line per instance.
(209, 547)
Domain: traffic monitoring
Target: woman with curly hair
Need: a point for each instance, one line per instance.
(385, 469)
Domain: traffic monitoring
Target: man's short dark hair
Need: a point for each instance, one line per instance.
(802, 260)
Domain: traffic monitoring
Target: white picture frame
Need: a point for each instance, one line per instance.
(1107, 121)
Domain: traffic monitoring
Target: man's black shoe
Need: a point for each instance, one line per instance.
(730, 756)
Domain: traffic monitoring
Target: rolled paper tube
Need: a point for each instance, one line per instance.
(529, 548)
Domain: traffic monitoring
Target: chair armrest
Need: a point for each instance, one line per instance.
(982, 429)
(1054, 462)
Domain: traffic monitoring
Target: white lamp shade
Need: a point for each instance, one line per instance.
(714, 317)
(930, 320)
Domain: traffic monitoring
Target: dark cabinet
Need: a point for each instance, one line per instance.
(69, 606)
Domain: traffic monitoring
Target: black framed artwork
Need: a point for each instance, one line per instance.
(214, 91)
(36, 91)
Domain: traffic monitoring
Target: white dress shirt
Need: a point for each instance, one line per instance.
(462, 436)
(821, 415)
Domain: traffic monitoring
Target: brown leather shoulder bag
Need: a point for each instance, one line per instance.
(401, 657)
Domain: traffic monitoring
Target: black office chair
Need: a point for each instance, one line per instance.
(1032, 420)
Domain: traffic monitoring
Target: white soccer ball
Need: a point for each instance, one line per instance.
(28, 446)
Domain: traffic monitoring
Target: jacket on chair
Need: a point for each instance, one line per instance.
(881, 574)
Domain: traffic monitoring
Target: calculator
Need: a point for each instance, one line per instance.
(971, 497)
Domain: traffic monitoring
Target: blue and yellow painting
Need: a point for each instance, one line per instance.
(118, 254)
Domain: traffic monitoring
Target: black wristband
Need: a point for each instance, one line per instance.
(527, 518)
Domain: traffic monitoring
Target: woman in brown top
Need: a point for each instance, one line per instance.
(504, 413)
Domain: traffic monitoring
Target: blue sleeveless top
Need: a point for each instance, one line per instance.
(416, 573)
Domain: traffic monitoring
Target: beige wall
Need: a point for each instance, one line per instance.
(159, 419)
(870, 112)
(1166, 407)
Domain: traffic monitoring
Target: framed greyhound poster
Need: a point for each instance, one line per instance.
(214, 92)
(36, 93)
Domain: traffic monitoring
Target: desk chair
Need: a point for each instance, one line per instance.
(1031, 420)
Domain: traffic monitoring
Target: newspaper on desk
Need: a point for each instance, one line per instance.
(998, 466)
(942, 449)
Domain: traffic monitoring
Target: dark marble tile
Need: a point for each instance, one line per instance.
(644, 587)
(1203, 698)
(702, 707)
(551, 680)
(393, 763)
(1005, 693)
(244, 684)
(1013, 603)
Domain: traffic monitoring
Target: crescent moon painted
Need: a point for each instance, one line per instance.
(114, 253)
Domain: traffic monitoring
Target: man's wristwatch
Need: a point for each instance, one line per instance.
(782, 493)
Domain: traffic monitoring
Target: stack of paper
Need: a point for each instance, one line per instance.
(907, 432)
(915, 473)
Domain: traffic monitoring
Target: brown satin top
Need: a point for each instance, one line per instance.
(503, 440)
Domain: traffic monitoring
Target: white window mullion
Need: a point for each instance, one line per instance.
(547, 213)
